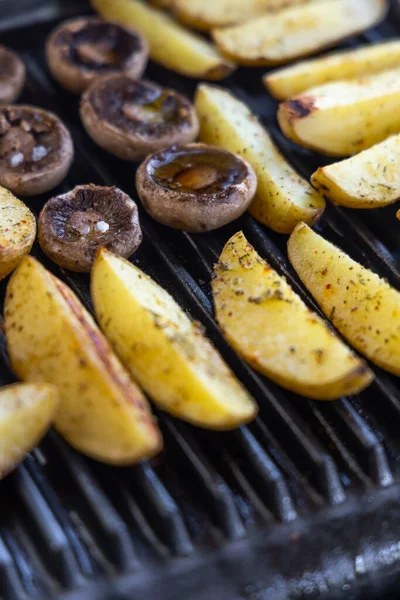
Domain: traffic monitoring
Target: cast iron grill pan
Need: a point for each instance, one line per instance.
(303, 503)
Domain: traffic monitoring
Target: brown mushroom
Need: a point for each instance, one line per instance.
(74, 225)
(195, 187)
(133, 118)
(36, 149)
(79, 50)
(12, 75)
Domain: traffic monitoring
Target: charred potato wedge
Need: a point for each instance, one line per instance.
(344, 117)
(26, 413)
(171, 45)
(346, 64)
(369, 179)
(274, 331)
(222, 13)
(165, 351)
(17, 231)
(361, 305)
(283, 198)
(298, 31)
(52, 338)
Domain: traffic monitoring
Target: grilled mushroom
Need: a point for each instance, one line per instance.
(133, 118)
(36, 149)
(195, 187)
(12, 75)
(79, 50)
(74, 225)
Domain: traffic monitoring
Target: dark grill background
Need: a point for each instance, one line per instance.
(303, 503)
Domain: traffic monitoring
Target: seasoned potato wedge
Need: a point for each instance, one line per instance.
(274, 331)
(344, 117)
(52, 338)
(283, 198)
(367, 180)
(166, 351)
(26, 413)
(222, 13)
(17, 231)
(171, 45)
(298, 31)
(294, 79)
(361, 305)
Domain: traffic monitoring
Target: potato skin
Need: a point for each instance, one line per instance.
(26, 413)
(344, 117)
(17, 231)
(164, 350)
(367, 180)
(290, 81)
(52, 338)
(296, 32)
(273, 330)
(170, 44)
(363, 307)
(283, 198)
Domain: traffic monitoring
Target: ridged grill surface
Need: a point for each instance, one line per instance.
(305, 495)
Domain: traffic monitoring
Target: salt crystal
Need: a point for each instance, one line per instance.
(38, 153)
(102, 226)
(16, 159)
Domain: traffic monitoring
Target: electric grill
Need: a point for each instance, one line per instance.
(303, 503)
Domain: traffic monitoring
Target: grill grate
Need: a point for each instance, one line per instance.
(301, 503)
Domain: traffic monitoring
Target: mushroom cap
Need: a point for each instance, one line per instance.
(73, 226)
(195, 187)
(12, 76)
(81, 49)
(134, 118)
(36, 149)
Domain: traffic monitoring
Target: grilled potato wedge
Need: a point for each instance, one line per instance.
(26, 413)
(52, 338)
(369, 179)
(361, 305)
(171, 45)
(274, 331)
(283, 198)
(344, 117)
(298, 31)
(346, 64)
(17, 231)
(222, 13)
(166, 351)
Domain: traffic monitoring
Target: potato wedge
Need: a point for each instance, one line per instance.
(170, 44)
(344, 117)
(166, 351)
(298, 31)
(222, 13)
(274, 331)
(361, 305)
(17, 231)
(283, 198)
(52, 338)
(294, 79)
(26, 413)
(369, 179)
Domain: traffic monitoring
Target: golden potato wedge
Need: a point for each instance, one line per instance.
(26, 413)
(52, 338)
(17, 231)
(222, 13)
(166, 351)
(298, 31)
(170, 44)
(344, 117)
(361, 305)
(369, 179)
(283, 198)
(274, 331)
(346, 64)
